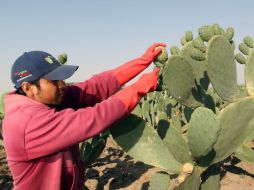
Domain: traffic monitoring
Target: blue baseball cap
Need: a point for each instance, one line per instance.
(34, 65)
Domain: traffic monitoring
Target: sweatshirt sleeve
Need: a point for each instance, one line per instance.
(92, 91)
(49, 131)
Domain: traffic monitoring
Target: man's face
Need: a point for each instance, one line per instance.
(50, 92)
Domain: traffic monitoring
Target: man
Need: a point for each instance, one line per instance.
(45, 119)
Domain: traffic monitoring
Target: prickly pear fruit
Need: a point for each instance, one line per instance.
(62, 58)
(249, 41)
(163, 56)
(240, 58)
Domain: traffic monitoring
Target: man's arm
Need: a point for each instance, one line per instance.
(103, 85)
(49, 131)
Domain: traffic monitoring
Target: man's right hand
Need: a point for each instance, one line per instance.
(131, 69)
(132, 94)
(152, 52)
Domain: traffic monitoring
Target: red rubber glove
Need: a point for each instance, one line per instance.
(129, 70)
(132, 94)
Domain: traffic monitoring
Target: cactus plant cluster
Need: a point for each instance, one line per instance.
(199, 116)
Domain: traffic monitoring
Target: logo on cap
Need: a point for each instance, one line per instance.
(22, 75)
(49, 60)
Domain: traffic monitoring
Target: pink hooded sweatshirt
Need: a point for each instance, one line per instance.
(42, 143)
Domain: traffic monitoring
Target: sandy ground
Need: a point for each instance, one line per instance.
(114, 169)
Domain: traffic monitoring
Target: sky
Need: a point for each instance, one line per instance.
(101, 35)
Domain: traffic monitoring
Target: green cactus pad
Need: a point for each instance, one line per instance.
(176, 122)
(198, 67)
(249, 41)
(62, 58)
(174, 50)
(245, 153)
(242, 91)
(145, 107)
(221, 68)
(141, 142)
(163, 124)
(244, 48)
(235, 126)
(229, 33)
(159, 181)
(138, 111)
(91, 152)
(240, 58)
(206, 33)
(250, 136)
(179, 80)
(188, 36)
(249, 74)
(232, 43)
(176, 144)
(183, 41)
(203, 131)
(211, 178)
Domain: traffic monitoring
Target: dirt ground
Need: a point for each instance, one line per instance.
(114, 169)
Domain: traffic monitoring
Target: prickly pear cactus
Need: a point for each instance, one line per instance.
(92, 148)
(179, 79)
(199, 116)
(140, 136)
(247, 57)
(203, 131)
(235, 126)
(220, 66)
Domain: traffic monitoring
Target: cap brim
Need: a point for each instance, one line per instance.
(61, 73)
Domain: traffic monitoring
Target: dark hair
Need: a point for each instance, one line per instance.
(35, 82)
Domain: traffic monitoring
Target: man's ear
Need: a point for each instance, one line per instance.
(28, 89)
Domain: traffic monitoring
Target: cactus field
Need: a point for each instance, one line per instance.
(195, 132)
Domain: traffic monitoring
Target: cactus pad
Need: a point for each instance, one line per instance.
(159, 181)
(174, 50)
(229, 33)
(249, 74)
(177, 145)
(141, 142)
(179, 80)
(235, 126)
(188, 36)
(221, 68)
(203, 131)
(245, 153)
(198, 67)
